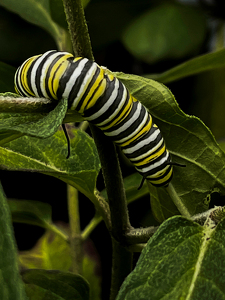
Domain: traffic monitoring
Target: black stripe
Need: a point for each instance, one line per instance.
(91, 83)
(113, 107)
(77, 84)
(29, 75)
(39, 71)
(132, 127)
(110, 86)
(156, 169)
(53, 77)
(146, 147)
(66, 77)
(164, 183)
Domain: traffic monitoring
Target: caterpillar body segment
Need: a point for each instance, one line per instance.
(102, 100)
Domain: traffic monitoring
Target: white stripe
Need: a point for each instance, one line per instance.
(70, 83)
(45, 69)
(18, 77)
(107, 105)
(86, 81)
(143, 143)
(33, 72)
(121, 103)
(157, 174)
(126, 125)
(140, 127)
(148, 153)
(155, 165)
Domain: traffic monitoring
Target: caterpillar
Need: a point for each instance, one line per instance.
(105, 102)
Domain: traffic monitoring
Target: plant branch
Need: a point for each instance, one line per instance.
(177, 201)
(114, 184)
(78, 28)
(121, 266)
(75, 234)
(107, 153)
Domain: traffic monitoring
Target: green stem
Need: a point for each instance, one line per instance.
(177, 201)
(107, 153)
(114, 184)
(78, 28)
(75, 234)
(56, 230)
(91, 226)
(121, 267)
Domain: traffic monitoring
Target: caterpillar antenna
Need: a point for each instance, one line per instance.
(141, 184)
(67, 139)
(175, 164)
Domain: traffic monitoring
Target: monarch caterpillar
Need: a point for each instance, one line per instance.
(102, 100)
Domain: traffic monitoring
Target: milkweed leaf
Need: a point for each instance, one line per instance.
(182, 260)
(190, 143)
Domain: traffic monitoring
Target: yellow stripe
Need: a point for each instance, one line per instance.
(99, 92)
(150, 157)
(164, 179)
(111, 77)
(140, 133)
(24, 77)
(56, 74)
(121, 117)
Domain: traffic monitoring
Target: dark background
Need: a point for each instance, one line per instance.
(106, 21)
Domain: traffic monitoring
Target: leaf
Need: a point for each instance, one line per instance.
(31, 212)
(183, 260)
(11, 286)
(7, 76)
(48, 156)
(47, 284)
(57, 13)
(189, 141)
(151, 37)
(35, 124)
(199, 64)
(53, 252)
(37, 12)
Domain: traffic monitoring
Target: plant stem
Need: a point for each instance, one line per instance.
(122, 258)
(114, 184)
(90, 227)
(177, 201)
(75, 234)
(107, 153)
(56, 230)
(78, 28)
(121, 267)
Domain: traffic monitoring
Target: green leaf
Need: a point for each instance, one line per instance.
(38, 12)
(161, 204)
(7, 77)
(181, 261)
(168, 31)
(8, 136)
(48, 156)
(57, 13)
(11, 286)
(189, 141)
(91, 273)
(43, 284)
(31, 212)
(53, 252)
(35, 124)
(193, 66)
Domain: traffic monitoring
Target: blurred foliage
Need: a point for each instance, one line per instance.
(139, 37)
